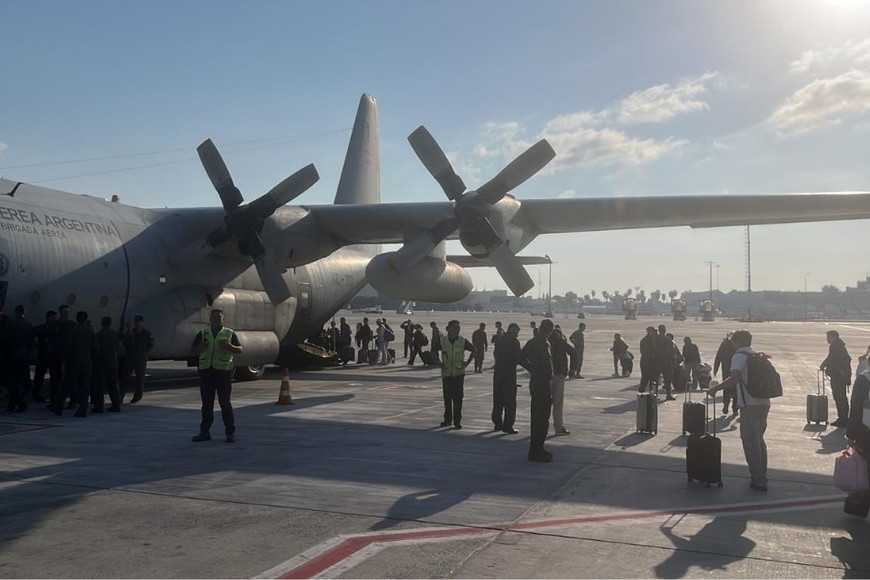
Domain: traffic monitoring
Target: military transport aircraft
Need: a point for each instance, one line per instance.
(280, 271)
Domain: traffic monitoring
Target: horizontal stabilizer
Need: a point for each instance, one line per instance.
(472, 262)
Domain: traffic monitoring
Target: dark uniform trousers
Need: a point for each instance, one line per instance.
(478, 359)
(76, 385)
(648, 372)
(504, 399)
(839, 384)
(542, 403)
(453, 389)
(666, 368)
(217, 382)
(106, 383)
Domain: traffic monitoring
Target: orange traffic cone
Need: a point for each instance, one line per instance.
(284, 397)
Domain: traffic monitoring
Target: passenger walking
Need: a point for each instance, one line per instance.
(665, 358)
(141, 342)
(435, 349)
(692, 360)
(540, 360)
(838, 366)
(453, 349)
(753, 410)
(649, 366)
(62, 338)
(561, 351)
(534, 328)
(508, 355)
(345, 341)
(723, 358)
(381, 342)
(418, 341)
(578, 339)
(106, 380)
(408, 328)
(478, 339)
(215, 346)
(620, 352)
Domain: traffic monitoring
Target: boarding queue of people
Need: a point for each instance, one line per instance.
(84, 362)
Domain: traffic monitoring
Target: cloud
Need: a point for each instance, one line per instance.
(3, 146)
(849, 55)
(662, 103)
(823, 103)
(567, 194)
(599, 137)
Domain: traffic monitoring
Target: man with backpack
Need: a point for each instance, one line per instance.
(757, 382)
(838, 366)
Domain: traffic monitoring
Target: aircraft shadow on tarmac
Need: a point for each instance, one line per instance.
(157, 456)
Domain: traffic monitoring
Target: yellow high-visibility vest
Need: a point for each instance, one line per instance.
(211, 357)
(454, 354)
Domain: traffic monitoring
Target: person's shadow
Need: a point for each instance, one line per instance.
(418, 506)
(716, 545)
(853, 552)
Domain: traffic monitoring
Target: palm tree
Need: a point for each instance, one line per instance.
(606, 295)
(593, 294)
(628, 292)
(672, 294)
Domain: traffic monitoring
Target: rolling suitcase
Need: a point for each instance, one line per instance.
(647, 413)
(373, 356)
(427, 358)
(694, 416)
(348, 354)
(627, 365)
(817, 405)
(362, 356)
(391, 355)
(679, 378)
(704, 454)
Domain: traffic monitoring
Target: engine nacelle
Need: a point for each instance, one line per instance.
(430, 280)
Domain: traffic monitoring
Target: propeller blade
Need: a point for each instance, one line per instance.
(219, 175)
(284, 192)
(517, 171)
(436, 162)
(423, 243)
(252, 245)
(273, 281)
(511, 270)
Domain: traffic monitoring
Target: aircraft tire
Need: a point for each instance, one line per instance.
(249, 373)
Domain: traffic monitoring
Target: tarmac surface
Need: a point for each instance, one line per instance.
(356, 479)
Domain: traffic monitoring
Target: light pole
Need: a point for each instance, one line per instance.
(711, 264)
(717, 277)
(805, 295)
(550, 291)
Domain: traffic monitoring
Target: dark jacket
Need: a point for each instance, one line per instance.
(109, 344)
(560, 351)
(723, 357)
(478, 339)
(508, 355)
(648, 349)
(537, 352)
(619, 348)
(691, 354)
(82, 350)
(578, 339)
(838, 363)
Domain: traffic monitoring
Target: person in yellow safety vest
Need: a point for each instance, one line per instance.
(453, 348)
(215, 347)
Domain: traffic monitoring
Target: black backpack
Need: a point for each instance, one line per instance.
(764, 381)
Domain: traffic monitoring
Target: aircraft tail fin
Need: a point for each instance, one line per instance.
(360, 180)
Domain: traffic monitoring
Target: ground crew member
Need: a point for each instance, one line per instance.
(578, 339)
(838, 366)
(620, 352)
(508, 354)
(106, 381)
(478, 339)
(435, 349)
(21, 342)
(141, 342)
(61, 340)
(648, 365)
(215, 347)
(537, 352)
(44, 338)
(692, 359)
(80, 353)
(453, 349)
(561, 351)
(408, 343)
(665, 358)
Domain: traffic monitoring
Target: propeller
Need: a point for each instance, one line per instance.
(471, 210)
(245, 221)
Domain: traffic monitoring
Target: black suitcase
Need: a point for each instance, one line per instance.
(427, 358)
(704, 455)
(694, 416)
(627, 366)
(348, 354)
(362, 356)
(373, 356)
(817, 405)
(647, 413)
(391, 355)
(679, 378)
(857, 504)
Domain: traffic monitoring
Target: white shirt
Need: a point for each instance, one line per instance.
(739, 362)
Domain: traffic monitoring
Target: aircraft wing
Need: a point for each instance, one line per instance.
(386, 223)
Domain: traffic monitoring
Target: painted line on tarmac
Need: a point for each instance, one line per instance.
(861, 328)
(342, 553)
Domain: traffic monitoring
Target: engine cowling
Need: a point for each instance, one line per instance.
(430, 280)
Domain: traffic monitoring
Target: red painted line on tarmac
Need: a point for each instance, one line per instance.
(351, 546)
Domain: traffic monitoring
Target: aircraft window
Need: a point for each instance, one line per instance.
(104, 301)
(71, 299)
(34, 297)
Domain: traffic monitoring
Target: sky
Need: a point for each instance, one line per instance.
(637, 98)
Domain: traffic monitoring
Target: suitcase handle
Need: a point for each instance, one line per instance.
(820, 383)
(707, 404)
